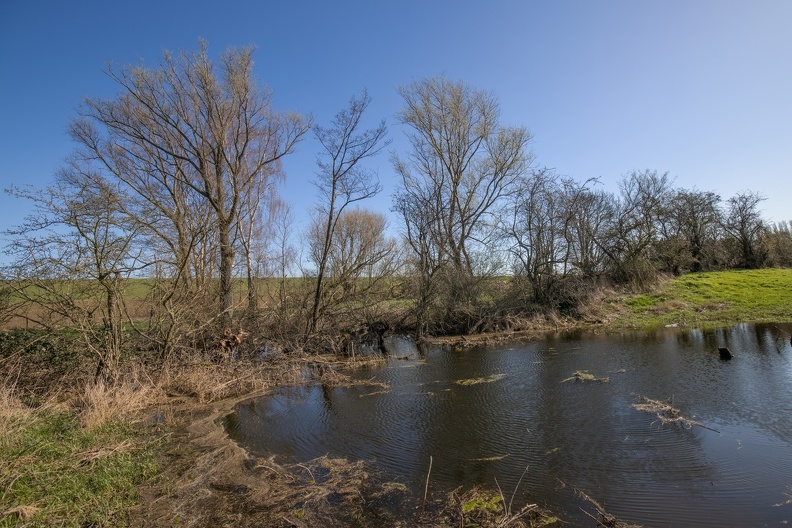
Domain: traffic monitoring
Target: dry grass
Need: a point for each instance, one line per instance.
(10, 405)
(602, 517)
(667, 413)
(585, 375)
(208, 381)
(100, 403)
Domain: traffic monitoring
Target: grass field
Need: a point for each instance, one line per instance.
(710, 299)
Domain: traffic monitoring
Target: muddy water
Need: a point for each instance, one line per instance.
(505, 414)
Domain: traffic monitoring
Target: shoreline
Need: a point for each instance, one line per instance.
(204, 478)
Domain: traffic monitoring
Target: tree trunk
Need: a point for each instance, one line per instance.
(226, 274)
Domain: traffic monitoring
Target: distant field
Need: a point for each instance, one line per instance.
(696, 300)
(711, 299)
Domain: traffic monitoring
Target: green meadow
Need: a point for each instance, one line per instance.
(708, 300)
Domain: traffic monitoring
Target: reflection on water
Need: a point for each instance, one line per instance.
(489, 413)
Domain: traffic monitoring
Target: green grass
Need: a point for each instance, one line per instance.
(53, 471)
(712, 299)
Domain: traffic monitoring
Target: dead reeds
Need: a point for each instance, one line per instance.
(102, 402)
(667, 413)
(603, 518)
(585, 375)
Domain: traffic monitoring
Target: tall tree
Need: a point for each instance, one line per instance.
(342, 180)
(691, 230)
(191, 133)
(636, 226)
(461, 164)
(744, 224)
(550, 233)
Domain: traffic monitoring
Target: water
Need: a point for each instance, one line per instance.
(487, 414)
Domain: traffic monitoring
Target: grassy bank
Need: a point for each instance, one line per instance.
(707, 300)
(55, 470)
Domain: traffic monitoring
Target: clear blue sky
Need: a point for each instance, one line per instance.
(699, 88)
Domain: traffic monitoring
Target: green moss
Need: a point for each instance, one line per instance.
(492, 504)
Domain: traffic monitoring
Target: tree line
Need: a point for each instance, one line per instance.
(175, 180)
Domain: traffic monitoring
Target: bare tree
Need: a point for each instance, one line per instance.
(691, 231)
(550, 234)
(342, 180)
(636, 226)
(258, 210)
(743, 222)
(461, 164)
(191, 133)
(360, 259)
(780, 243)
(422, 256)
(537, 233)
(72, 259)
(593, 214)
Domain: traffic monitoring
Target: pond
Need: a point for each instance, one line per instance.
(510, 416)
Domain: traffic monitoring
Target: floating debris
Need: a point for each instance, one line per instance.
(488, 459)
(585, 375)
(667, 413)
(477, 381)
(603, 518)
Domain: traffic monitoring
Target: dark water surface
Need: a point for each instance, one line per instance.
(489, 413)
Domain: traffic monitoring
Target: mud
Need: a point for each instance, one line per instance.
(208, 480)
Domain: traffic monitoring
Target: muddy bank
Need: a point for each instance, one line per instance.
(208, 480)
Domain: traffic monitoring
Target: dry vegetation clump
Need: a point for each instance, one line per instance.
(585, 375)
(209, 381)
(479, 507)
(598, 307)
(130, 396)
(668, 307)
(603, 518)
(224, 486)
(11, 406)
(667, 413)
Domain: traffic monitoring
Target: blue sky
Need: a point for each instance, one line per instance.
(699, 88)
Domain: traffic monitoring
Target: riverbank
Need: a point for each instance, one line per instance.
(149, 451)
(697, 300)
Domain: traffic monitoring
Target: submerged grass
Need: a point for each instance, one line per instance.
(709, 300)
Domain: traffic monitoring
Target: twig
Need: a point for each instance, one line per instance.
(426, 488)
(511, 501)
(306, 468)
(604, 519)
(461, 508)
